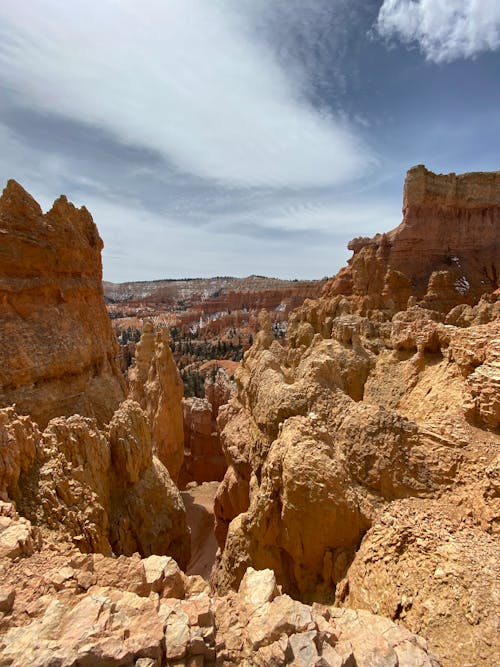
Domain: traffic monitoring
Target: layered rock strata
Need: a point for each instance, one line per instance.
(445, 251)
(155, 383)
(59, 354)
(358, 430)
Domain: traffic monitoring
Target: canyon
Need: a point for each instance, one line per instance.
(210, 319)
(357, 516)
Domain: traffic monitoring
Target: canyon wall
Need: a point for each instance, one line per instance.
(444, 252)
(364, 452)
(59, 353)
(204, 459)
(96, 477)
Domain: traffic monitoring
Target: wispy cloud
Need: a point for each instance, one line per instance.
(444, 29)
(185, 78)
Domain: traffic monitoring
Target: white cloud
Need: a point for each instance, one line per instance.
(444, 29)
(184, 78)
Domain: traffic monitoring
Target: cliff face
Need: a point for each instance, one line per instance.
(94, 477)
(204, 459)
(373, 421)
(59, 354)
(446, 251)
(155, 383)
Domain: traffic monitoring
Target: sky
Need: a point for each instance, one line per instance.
(238, 137)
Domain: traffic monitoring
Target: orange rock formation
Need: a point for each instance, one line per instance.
(155, 383)
(59, 354)
(446, 250)
(364, 452)
(204, 459)
(93, 477)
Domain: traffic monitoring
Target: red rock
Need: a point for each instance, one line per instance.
(59, 354)
(445, 251)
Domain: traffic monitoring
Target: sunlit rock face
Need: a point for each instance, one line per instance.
(382, 403)
(445, 251)
(76, 457)
(155, 383)
(58, 351)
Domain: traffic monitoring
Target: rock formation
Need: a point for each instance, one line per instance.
(204, 459)
(59, 354)
(155, 383)
(64, 608)
(103, 490)
(93, 477)
(379, 416)
(446, 250)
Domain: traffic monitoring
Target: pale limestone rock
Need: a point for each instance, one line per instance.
(164, 576)
(257, 588)
(153, 571)
(176, 623)
(303, 648)
(107, 627)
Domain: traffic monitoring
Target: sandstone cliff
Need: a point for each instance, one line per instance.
(155, 383)
(375, 420)
(59, 354)
(445, 252)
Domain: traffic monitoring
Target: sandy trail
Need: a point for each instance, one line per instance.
(199, 503)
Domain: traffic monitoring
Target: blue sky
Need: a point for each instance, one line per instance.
(230, 137)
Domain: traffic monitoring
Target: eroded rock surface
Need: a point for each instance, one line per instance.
(155, 383)
(92, 610)
(204, 459)
(445, 251)
(383, 398)
(103, 489)
(59, 353)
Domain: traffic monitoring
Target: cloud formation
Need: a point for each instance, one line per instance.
(183, 78)
(444, 29)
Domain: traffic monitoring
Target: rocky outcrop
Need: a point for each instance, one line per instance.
(378, 403)
(429, 565)
(155, 383)
(446, 251)
(204, 458)
(73, 609)
(102, 489)
(59, 354)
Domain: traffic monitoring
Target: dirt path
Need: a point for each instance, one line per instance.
(199, 502)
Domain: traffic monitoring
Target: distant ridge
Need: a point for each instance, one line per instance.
(172, 290)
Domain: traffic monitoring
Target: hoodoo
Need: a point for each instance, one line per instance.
(57, 345)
